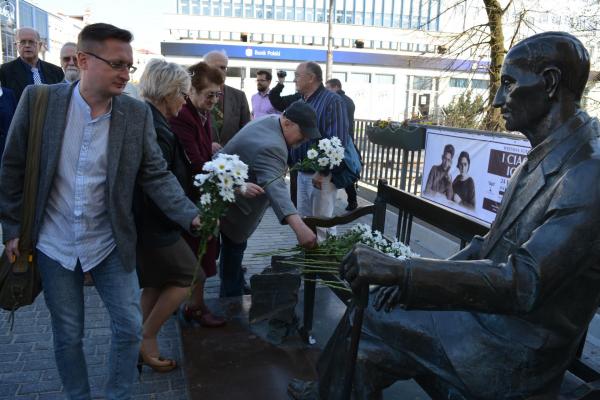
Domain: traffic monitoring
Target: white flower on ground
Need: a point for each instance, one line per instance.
(205, 199)
(312, 154)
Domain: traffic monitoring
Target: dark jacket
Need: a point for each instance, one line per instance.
(15, 75)
(236, 114)
(154, 227)
(282, 102)
(8, 105)
(350, 108)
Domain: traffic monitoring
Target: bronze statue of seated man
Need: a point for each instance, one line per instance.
(501, 319)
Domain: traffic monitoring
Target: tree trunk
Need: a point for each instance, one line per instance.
(329, 64)
(493, 120)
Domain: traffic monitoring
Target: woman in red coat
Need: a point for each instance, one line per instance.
(193, 129)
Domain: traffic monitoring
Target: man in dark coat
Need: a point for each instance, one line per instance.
(28, 69)
(502, 319)
(335, 86)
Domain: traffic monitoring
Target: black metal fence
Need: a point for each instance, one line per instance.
(402, 169)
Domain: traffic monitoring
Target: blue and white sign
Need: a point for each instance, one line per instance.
(184, 49)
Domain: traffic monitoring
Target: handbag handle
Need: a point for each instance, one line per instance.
(32, 168)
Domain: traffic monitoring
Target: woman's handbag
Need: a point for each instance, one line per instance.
(20, 281)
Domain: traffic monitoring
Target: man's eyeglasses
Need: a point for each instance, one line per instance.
(66, 59)
(24, 43)
(120, 66)
(215, 95)
(223, 68)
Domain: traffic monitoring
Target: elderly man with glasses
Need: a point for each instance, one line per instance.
(28, 69)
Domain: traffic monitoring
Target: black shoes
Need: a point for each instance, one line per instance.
(352, 206)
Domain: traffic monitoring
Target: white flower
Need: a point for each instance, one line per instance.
(226, 181)
(335, 141)
(324, 144)
(324, 161)
(200, 179)
(312, 154)
(205, 199)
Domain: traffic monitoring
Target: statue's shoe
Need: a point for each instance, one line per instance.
(303, 390)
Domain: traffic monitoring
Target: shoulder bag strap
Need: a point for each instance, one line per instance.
(32, 167)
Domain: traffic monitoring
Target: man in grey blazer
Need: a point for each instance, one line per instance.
(96, 144)
(263, 144)
(232, 111)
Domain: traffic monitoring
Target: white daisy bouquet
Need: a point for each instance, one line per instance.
(326, 258)
(222, 176)
(326, 155)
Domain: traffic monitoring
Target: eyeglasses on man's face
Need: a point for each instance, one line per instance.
(119, 66)
(213, 95)
(223, 68)
(67, 59)
(25, 42)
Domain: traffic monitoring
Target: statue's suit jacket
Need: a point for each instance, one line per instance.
(261, 145)
(133, 156)
(236, 114)
(521, 298)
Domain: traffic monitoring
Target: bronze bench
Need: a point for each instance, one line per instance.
(581, 382)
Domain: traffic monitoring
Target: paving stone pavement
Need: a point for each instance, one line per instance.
(27, 367)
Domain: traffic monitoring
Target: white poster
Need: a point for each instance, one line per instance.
(469, 172)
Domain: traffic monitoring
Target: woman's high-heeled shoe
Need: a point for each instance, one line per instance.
(206, 319)
(158, 364)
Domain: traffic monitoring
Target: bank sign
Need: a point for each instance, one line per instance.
(362, 57)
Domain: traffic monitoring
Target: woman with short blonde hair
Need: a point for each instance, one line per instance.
(165, 261)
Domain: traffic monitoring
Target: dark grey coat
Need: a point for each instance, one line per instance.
(133, 156)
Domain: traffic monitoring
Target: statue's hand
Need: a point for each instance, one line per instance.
(387, 297)
(365, 266)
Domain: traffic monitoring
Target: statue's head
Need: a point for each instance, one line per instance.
(551, 67)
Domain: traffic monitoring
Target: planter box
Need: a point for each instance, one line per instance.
(406, 138)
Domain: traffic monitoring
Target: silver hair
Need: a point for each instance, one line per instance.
(215, 53)
(68, 44)
(25, 28)
(162, 79)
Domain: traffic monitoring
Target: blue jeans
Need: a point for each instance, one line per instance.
(119, 290)
(230, 267)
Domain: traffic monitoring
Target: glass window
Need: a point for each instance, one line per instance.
(205, 7)
(216, 10)
(458, 83)
(360, 77)
(227, 9)
(234, 72)
(384, 79)
(195, 7)
(25, 14)
(184, 6)
(237, 8)
(249, 11)
(310, 14)
(269, 11)
(422, 83)
(480, 84)
(342, 76)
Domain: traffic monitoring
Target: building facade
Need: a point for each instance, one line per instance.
(386, 52)
(54, 29)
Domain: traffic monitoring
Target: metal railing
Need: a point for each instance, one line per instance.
(402, 169)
